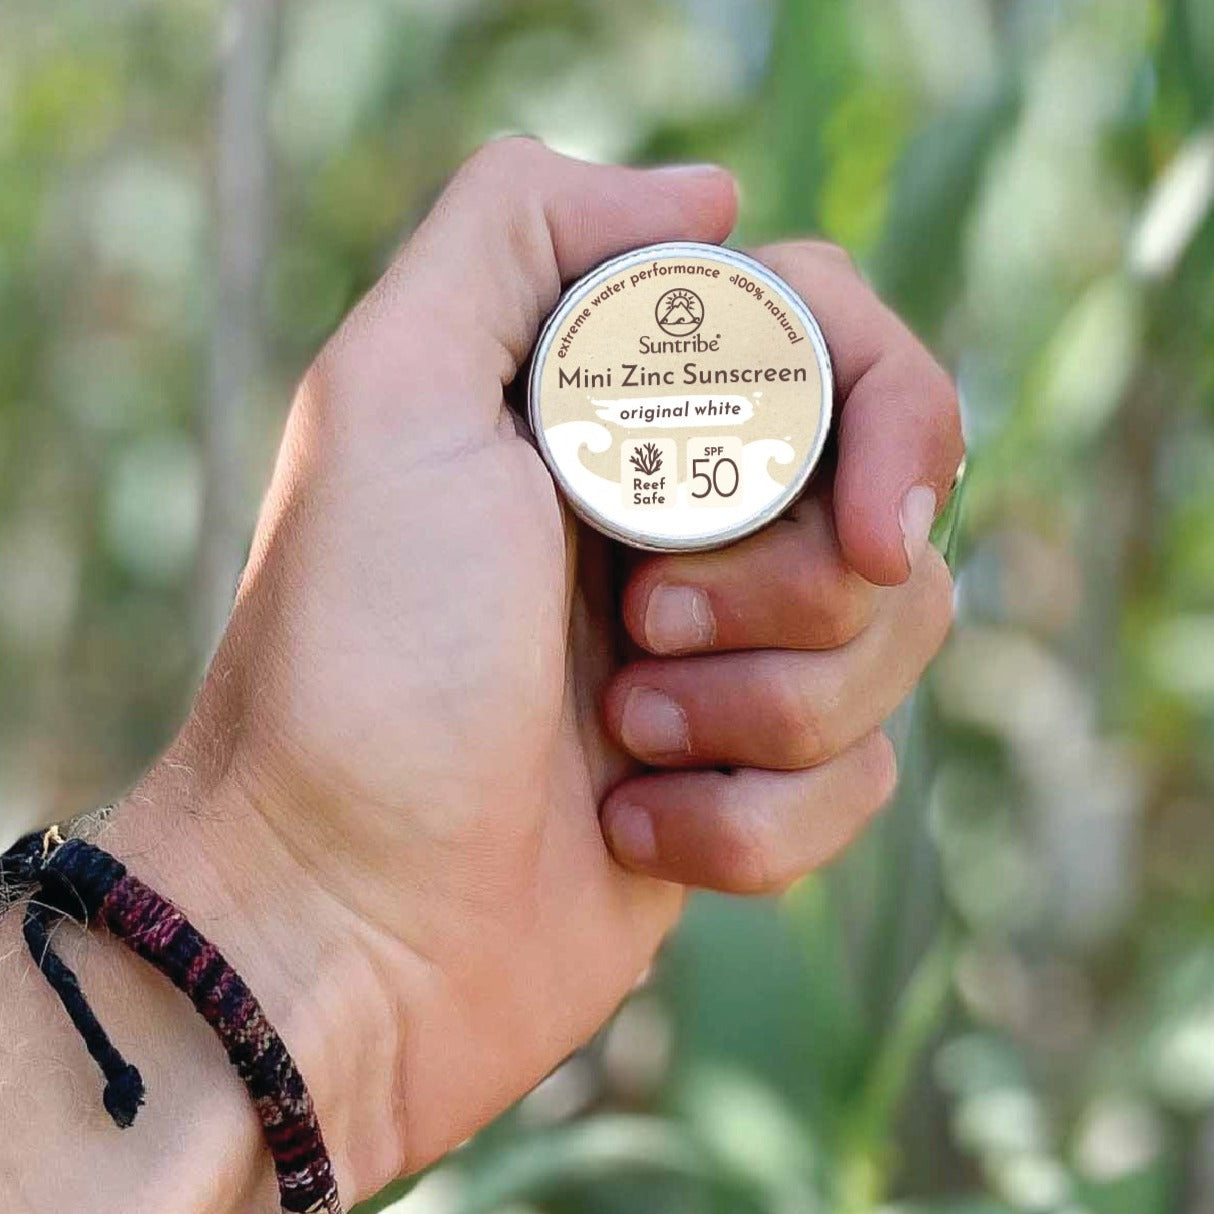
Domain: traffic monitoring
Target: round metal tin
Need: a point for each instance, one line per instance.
(680, 395)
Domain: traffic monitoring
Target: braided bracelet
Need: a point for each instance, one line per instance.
(71, 879)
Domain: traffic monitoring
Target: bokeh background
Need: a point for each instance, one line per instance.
(1003, 999)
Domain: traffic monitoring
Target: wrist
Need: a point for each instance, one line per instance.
(197, 1144)
(209, 847)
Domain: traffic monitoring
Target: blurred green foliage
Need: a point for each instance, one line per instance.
(1004, 998)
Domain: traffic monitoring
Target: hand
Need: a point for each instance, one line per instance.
(422, 701)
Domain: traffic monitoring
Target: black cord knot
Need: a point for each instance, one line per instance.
(70, 879)
(75, 878)
(123, 1096)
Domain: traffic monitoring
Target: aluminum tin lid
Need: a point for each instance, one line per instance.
(681, 396)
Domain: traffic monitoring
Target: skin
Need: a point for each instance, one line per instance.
(426, 799)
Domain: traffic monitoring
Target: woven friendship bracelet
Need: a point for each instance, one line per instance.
(72, 879)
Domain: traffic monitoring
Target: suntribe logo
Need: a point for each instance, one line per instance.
(679, 312)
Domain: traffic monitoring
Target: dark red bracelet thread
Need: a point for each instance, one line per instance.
(72, 879)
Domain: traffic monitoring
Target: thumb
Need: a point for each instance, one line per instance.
(459, 309)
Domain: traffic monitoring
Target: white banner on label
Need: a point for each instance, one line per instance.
(643, 412)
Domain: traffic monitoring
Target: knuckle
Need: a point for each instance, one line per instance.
(948, 402)
(797, 729)
(834, 599)
(506, 157)
(946, 416)
(822, 250)
(506, 183)
(743, 854)
(794, 254)
(829, 251)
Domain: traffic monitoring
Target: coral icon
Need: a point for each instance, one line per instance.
(646, 459)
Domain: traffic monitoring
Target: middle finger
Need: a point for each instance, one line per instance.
(780, 708)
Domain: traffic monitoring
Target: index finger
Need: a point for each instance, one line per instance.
(899, 427)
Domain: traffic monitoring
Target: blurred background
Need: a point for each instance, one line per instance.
(1003, 999)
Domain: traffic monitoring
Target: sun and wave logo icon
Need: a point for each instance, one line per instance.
(679, 312)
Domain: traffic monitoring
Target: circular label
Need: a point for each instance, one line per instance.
(680, 395)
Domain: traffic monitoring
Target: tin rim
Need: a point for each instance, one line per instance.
(585, 285)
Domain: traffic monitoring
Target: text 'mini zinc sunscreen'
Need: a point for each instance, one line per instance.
(680, 394)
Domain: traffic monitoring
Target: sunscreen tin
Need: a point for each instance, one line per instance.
(681, 396)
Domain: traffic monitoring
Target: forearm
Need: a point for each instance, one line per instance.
(196, 1146)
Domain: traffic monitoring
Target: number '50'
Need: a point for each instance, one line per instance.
(722, 479)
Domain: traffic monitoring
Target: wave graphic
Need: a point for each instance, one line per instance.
(684, 520)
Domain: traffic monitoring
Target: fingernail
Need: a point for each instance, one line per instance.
(678, 618)
(630, 832)
(916, 517)
(653, 724)
(688, 170)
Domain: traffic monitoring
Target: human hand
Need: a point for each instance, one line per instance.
(428, 689)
